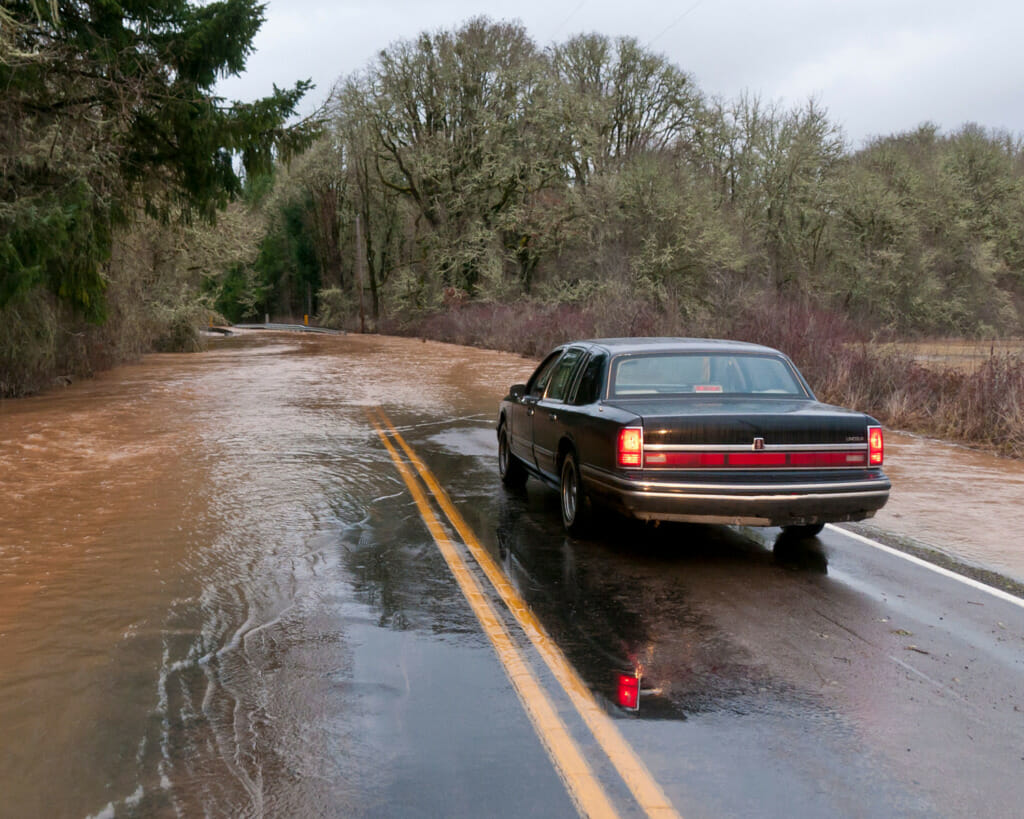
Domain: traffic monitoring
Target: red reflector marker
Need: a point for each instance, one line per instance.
(628, 692)
(876, 446)
(631, 446)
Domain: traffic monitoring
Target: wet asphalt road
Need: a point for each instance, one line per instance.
(811, 679)
(275, 631)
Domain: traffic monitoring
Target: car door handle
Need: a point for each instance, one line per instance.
(553, 416)
(529, 410)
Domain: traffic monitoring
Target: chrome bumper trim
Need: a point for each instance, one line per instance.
(704, 489)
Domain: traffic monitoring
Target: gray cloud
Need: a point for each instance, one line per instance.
(878, 67)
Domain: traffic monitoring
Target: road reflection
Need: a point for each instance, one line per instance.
(636, 599)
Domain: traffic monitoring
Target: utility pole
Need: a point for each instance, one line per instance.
(360, 261)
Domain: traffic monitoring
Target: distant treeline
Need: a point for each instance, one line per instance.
(471, 166)
(461, 171)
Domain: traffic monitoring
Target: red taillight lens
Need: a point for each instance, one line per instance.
(631, 447)
(627, 692)
(876, 446)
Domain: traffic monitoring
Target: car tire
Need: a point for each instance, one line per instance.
(806, 531)
(510, 468)
(574, 502)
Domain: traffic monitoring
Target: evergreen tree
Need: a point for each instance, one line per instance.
(109, 107)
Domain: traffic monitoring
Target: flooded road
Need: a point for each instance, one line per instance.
(218, 598)
(191, 552)
(966, 503)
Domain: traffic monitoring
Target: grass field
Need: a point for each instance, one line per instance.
(962, 354)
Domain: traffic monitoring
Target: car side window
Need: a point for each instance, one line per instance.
(561, 378)
(589, 388)
(539, 380)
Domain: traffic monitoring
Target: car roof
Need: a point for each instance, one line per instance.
(618, 346)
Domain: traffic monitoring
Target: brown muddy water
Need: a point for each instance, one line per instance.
(168, 564)
(966, 503)
(164, 530)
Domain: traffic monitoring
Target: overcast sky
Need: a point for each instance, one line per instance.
(878, 67)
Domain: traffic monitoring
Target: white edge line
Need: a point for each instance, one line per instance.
(975, 584)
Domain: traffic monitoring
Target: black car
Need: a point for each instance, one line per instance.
(693, 430)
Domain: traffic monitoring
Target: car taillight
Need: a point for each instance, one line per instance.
(631, 447)
(876, 446)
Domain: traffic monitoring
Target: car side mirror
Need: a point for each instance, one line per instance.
(517, 391)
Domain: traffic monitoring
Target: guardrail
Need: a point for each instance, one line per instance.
(300, 328)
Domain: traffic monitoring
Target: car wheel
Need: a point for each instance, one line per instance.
(575, 509)
(808, 531)
(512, 472)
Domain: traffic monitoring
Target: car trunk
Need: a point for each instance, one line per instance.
(732, 422)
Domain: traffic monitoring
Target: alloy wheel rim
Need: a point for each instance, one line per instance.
(503, 455)
(569, 494)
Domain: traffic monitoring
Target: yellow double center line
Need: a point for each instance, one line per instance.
(580, 781)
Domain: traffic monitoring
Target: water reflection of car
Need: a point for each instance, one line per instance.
(689, 430)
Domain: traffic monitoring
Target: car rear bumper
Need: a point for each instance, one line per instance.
(752, 503)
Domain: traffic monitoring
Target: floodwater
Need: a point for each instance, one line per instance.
(963, 502)
(213, 595)
(170, 604)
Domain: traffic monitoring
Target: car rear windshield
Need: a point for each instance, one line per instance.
(703, 374)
